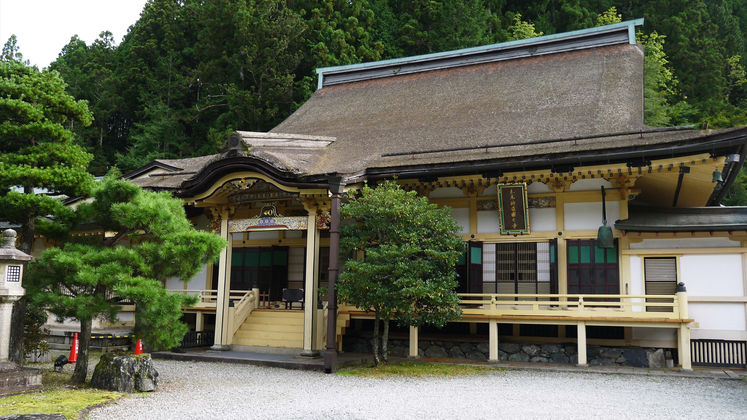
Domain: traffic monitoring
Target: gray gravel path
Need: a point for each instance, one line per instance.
(194, 390)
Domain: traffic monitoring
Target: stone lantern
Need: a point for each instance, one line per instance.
(12, 378)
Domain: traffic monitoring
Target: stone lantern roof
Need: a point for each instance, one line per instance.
(8, 250)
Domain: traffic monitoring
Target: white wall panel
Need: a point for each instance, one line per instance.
(712, 275)
(542, 220)
(173, 283)
(718, 316)
(684, 243)
(199, 282)
(538, 188)
(588, 216)
(462, 218)
(491, 191)
(591, 185)
(263, 234)
(488, 221)
(450, 192)
(636, 281)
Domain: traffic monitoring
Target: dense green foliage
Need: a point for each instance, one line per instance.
(37, 149)
(189, 72)
(407, 271)
(154, 242)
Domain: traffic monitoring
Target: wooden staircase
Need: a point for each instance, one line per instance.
(271, 328)
(278, 328)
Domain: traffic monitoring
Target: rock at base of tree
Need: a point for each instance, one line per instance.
(121, 373)
(656, 359)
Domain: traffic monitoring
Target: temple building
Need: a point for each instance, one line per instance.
(527, 142)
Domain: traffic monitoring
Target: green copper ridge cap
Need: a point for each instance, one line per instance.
(528, 43)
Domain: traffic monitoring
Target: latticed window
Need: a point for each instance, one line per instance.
(592, 270)
(512, 267)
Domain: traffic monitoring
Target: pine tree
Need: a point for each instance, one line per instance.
(153, 242)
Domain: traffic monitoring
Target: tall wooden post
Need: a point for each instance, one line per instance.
(310, 287)
(336, 187)
(683, 332)
(224, 288)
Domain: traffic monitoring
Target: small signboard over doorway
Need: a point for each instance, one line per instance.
(513, 209)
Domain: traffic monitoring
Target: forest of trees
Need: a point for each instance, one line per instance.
(190, 71)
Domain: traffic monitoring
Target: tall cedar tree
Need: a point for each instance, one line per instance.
(154, 241)
(410, 249)
(39, 161)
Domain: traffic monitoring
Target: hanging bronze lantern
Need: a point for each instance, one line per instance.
(717, 176)
(604, 235)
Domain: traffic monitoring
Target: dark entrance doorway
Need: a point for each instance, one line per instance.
(265, 267)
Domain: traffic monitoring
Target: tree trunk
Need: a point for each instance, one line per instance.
(84, 340)
(17, 326)
(385, 341)
(376, 339)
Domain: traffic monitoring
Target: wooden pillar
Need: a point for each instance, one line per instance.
(199, 321)
(493, 334)
(683, 332)
(414, 343)
(582, 343)
(224, 285)
(311, 284)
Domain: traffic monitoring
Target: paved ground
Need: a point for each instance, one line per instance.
(199, 390)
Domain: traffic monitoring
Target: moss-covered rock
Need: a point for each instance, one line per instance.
(122, 373)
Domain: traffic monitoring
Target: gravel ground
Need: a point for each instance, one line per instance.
(194, 390)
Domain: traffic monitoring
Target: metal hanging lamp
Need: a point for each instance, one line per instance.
(717, 176)
(604, 235)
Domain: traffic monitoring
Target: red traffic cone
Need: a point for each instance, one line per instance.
(74, 350)
(139, 346)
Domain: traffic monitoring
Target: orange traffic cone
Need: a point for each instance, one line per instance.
(139, 346)
(74, 350)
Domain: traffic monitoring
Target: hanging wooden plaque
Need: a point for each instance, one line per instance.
(513, 209)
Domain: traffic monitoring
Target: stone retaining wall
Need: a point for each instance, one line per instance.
(513, 352)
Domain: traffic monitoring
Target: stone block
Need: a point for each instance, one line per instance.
(456, 353)
(121, 373)
(610, 352)
(509, 347)
(550, 349)
(531, 350)
(436, 351)
(538, 359)
(518, 357)
(483, 348)
(559, 358)
(570, 349)
(656, 359)
(602, 361)
(475, 355)
(466, 347)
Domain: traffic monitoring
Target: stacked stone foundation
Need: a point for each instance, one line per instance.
(566, 353)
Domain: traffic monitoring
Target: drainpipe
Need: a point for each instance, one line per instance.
(336, 187)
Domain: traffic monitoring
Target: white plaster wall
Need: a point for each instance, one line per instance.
(542, 220)
(126, 316)
(712, 275)
(488, 221)
(263, 234)
(684, 242)
(718, 316)
(588, 216)
(295, 267)
(538, 188)
(293, 234)
(590, 185)
(636, 281)
(237, 236)
(199, 282)
(450, 192)
(491, 191)
(462, 218)
(654, 334)
(173, 283)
